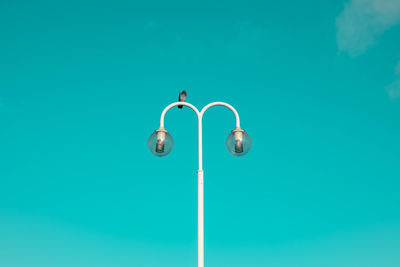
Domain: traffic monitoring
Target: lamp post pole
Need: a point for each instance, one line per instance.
(238, 137)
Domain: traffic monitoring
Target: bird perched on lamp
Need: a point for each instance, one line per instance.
(182, 97)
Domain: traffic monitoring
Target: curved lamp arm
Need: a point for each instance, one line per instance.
(199, 114)
(224, 105)
(176, 104)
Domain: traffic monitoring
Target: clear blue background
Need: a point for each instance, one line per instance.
(82, 86)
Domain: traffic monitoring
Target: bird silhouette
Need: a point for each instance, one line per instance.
(182, 97)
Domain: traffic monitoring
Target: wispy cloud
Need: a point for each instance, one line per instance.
(393, 89)
(362, 21)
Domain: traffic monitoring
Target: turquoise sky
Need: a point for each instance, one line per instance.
(317, 86)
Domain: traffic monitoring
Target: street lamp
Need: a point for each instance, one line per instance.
(238, 143)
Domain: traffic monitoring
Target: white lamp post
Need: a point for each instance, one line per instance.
(238, 143)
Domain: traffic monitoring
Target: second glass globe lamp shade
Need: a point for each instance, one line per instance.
(238, 142)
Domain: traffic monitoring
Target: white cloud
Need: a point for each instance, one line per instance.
(362, 21)
(393, 89)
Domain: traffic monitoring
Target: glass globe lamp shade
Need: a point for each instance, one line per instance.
(238, 142)
(160, 143)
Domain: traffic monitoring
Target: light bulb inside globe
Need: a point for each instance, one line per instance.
(238, 135)
(160, 143)
(238, 142)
